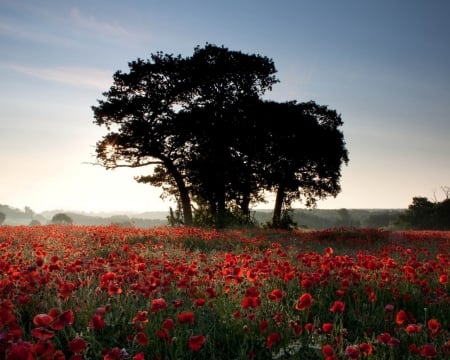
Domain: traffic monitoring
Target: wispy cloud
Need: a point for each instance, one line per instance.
(22, 32)
(96, 26)
(84, 77)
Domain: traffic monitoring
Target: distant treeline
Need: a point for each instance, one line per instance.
(325, 219)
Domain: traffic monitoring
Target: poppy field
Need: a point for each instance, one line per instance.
(109, 292)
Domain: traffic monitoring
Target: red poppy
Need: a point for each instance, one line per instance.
(327, 350)
(142, 339)
(443, 279)
(434, 326)
(413, 328)
(327, 328)
(77, 345)
(168, 324)
(42, 333)
(42, 320)
(401, 317)
(138, 356)
(186, 317)
(365, 349)
(272, 339)
(427, 351)
(142, 317)
(251, 302)
(338, 307)
(158, 304)
(97, 322)
(276, 295)
(352, 351)
(304, 302)
(62, 320)
(196, 342)
(199, 302)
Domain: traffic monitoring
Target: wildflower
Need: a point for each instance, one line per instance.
(413, 328)
(158, 304)
(327, 350)
(443, 279)
(327, 328)
(196, 342)
(304, 302)
(42, 320)
(142, 338)
(97, 322)
(276, 295)
(352, 351)
(434, 326)
(186, 317)
(272, 339)
(139, 356)
(401, 317)
(365, 349)
(77, 345)
(427, 351)
(338, 307)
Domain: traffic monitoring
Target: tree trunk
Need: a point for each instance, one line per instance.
(278, 206)
(184, 193)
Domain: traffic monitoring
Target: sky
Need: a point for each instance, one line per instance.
(383, 65)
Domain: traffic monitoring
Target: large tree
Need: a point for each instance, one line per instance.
(300, 151)
(143, 107)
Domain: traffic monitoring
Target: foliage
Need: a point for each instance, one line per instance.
(187, 293)
(214, 144)
(2, 217)
(62, 219)
(423, 214)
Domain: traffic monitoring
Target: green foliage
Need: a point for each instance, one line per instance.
(423, 214)
(62, 219)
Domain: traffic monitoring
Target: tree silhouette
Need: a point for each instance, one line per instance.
(142, 106)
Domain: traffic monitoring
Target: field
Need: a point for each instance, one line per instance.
(107, 292)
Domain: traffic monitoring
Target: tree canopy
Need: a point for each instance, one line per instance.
(216, 146)
(424, 214)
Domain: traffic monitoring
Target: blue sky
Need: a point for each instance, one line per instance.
(383, 65)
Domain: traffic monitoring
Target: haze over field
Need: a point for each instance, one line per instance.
(383, 65)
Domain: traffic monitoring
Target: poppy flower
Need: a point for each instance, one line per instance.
(434, 326)
(138, 356)
(304, 302)
(401, 317)
(42, 333)
(196, 342)
(168, 324)
(365, 349)
(413, 328)
(272, 339)
(337, 307)
(352, 351)
(77, 345)
(186, 317)
(62, 320)
(142, 339)
(97, 322)
(158, 304)
(276, 295)
(42, 320)
(327, 328)
(443, 279)
(327, 350)
(427, 351)
(142, 317)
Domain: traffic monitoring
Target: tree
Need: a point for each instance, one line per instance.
(62, 219)
(2, 217)
(299, 151)
(423, 214)
(151, 115)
